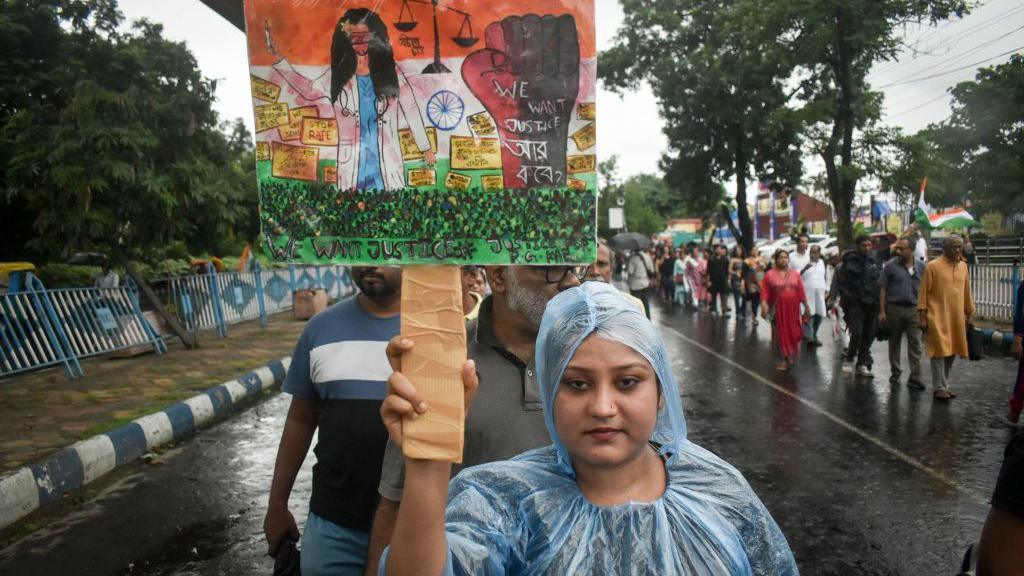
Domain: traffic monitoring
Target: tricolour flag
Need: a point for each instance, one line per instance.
(953, 218)
(923, 210)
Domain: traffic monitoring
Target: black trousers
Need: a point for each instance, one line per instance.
(642, 295)
(862, 320)
(719, 294)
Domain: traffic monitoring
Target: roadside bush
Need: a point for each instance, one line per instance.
(60, 275)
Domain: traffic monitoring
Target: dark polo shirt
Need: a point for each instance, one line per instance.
(505, 418)
(901, 285)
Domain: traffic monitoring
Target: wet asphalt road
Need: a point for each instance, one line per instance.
(864, 478)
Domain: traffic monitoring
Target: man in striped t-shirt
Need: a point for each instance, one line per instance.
(338, 378)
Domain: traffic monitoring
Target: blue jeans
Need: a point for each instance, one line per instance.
(332, 550)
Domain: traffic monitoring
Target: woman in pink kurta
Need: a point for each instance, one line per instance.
(782, 294)
(694, 264)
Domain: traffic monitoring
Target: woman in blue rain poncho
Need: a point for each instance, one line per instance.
(620, 490)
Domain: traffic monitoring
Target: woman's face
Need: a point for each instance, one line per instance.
(782, 261)
(606, 405)
(360, 36)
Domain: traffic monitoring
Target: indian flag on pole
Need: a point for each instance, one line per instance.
(923, 209)
(952, 218)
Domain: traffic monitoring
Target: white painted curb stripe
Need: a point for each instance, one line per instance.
(236, 390)
(202, 409)
(18, 496)
(157, 429)
(97, 456)
(266, 376)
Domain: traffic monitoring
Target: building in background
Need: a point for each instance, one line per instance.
(776, 212)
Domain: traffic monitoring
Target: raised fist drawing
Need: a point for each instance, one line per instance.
(527, 78)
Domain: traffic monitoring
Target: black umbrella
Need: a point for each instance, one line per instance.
(629, 241)
(88, 259)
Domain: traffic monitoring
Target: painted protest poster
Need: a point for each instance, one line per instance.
(409, 131)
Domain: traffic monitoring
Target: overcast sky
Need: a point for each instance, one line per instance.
(936, 58)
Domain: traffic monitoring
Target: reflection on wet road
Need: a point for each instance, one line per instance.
(862, 476)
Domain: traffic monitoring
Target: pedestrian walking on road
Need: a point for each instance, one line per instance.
(695, 267)
(1017, 397)
(782, 295)
(814, 275)
(619, 489)
(945, 309)
(753, 277)
(857, 285)
(899, 285)
(718, 279)
(666, 270)
(337, 379)
(640, 270)
(683, 294)
(799, 258)
(739, 298)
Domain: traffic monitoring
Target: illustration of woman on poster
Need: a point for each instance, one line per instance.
(368, 92)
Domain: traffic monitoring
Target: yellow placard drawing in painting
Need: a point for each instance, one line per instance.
(456, 181)
(422, 177)
(270, 116)
(409, 149)
(469, 153)
(294, 162)
(580, 164)
(293, 130)
(263, 90)
(263, 151)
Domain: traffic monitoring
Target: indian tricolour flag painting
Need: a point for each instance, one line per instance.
(926, 216)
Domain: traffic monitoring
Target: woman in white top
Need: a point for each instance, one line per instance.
(816, 286)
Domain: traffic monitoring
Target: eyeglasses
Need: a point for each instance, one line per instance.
(557, 274)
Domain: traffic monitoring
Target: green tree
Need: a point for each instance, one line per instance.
(915, 157)
(641, 215)
(647, 200)
(984, 137)
(719, 74)
(116, 143)
(834, 44)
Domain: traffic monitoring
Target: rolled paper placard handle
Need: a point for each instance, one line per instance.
(432, 317)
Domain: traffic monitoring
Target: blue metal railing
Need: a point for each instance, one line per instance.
(40, 327)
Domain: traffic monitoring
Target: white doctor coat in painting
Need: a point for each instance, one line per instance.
(346, 111)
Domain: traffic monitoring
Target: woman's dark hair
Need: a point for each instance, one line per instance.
(382, 59)
(779, 252)
(738, 251)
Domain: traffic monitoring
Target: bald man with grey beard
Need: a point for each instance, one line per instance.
(506, 418)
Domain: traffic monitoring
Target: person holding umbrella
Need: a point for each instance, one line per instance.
(639, 267)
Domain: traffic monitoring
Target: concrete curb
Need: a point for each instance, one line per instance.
(28, 488)
(997, 338)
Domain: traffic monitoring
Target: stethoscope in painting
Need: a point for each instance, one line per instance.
(382, 104)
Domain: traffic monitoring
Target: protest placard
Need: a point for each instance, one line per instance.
(438, 143)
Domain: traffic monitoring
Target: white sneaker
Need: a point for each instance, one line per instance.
(864, 371)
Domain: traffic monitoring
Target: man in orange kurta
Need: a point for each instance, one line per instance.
(945, 308)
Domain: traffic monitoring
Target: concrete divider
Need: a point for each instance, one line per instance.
(28, 488)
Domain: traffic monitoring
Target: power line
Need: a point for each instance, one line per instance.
(939, 97)
(997, 19)
(962, 56)
(971, 51)
(929, 77)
